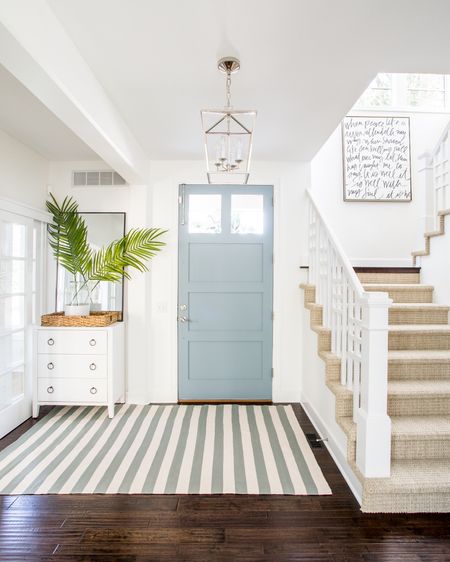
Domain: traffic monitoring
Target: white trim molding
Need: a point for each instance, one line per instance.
(24, 210)
(333, 448)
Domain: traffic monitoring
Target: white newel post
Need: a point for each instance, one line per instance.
(427, 196)
(373, 433)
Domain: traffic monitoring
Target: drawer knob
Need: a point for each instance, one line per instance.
(92, 342)
(50, 366)
(51, 341)
(50, 390)
(93, 390)
(92, 366)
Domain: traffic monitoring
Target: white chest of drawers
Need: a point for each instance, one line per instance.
(79, 366)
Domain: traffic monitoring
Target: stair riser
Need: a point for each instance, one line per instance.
(315, 317)
(437, 502)
(420, 449)
(418, 406)
(324, 341)
(404, 406)
(419, 371)
(411, 341)
(309, 294)
(332, 371)
(409, 450)
(389, 278)
(413, 295)
(344, 406)
(418, 317)
(351, 450)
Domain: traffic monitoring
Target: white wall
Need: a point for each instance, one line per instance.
(23, 173)
(151, 299)
(435, 268)
(134, 201)
(378, 233)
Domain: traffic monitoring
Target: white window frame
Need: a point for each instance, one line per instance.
(399, 96)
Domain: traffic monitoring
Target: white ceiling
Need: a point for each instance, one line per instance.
(25, 118)
(304, 64)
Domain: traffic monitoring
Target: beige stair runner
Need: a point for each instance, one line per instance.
(430, 235)
(418, 396)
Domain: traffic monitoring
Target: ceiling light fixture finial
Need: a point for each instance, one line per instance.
(228, 135)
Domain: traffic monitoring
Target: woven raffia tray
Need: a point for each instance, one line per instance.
(95, 319)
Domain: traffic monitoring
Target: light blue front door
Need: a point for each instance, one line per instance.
(225, 292)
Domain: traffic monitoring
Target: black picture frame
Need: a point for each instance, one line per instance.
(123, 277)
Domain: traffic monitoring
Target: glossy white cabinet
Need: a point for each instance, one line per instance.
(79, 366)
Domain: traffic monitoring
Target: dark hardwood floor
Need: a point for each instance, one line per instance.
(140, 528)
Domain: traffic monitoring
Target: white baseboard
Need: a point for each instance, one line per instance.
(130, 399)
(334, 450)
(380, 262)
(286, 395)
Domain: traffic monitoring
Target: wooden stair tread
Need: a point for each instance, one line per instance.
(416, 388)
(398, 286)
(419, 356)
(403, 388)
(420, 328)
(418, 306)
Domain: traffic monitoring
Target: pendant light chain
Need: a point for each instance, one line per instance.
(228, 87)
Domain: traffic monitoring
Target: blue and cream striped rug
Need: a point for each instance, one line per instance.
(169, 449)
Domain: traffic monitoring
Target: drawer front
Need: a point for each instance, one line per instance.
(72, 391)
(71, 366)
(68, 341)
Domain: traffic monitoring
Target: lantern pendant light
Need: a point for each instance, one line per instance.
(228, 135)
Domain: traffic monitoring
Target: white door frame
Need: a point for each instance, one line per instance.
(35, 220)
(163, 380)
(18, 411)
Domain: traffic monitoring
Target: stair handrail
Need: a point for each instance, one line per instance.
(358, 325)
(346, 264)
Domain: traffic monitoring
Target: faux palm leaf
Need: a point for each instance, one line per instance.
(68, 240)
(68, 236)
(133, 250)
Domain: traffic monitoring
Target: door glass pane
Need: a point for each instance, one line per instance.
(11, 386)
(247, 214)
(11, 350)
(12, 312)
(17, 383)
(13, 239)
(4, 391)
(205, 213)
(12, 276)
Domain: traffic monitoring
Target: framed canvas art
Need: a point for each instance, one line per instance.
(376, 159)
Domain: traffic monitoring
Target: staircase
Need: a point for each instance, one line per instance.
(418, 394)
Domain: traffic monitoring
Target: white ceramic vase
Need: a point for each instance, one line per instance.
(77, 309)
